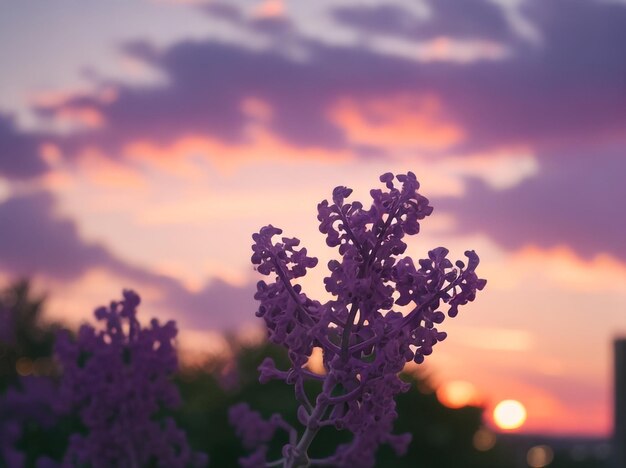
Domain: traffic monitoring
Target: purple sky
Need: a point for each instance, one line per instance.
(141, 144)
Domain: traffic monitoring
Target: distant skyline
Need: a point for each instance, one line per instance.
(143, 142)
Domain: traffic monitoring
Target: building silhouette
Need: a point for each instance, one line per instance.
(619, 431)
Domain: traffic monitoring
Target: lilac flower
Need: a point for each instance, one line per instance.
(365, 342)
(118, 379)
(31, 401)
(251, 428)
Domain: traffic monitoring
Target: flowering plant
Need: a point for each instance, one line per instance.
(118, 379)
(365, 343)
(29, 403)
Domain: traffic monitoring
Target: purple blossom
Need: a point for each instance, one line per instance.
(250, 427)
(255, 432)
(31, 401)
(365, 342)
(118, 379)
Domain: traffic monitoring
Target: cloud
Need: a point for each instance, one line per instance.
(565, 92)
(470, 19)
(293, 96)
(574, 200)
(223, 305)
(562, 267)
(396, 122)
(222, 10)
(19, 151)
(498, 339)
(37, 242)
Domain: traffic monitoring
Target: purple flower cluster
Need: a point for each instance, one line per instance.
(255, 432)
(118, 380)
(365, 342)
(32, 401)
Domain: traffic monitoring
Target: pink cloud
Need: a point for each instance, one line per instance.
(259, 145)
(397, 122)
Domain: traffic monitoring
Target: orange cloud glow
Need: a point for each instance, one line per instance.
(52, 98)
(270, 9)
(261, 145)
(50, 153)
(79, 117)
(103, 171)
(563, 266)
(60, 97)
(403, 121)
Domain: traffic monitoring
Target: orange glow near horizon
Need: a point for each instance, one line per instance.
(457, 394)
(509, 415)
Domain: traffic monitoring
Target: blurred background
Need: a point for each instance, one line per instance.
(143, 142)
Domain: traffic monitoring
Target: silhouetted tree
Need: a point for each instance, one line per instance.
(442, 437)
(26, 340)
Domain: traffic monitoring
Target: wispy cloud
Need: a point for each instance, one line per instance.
(37, 242)
(573, 201)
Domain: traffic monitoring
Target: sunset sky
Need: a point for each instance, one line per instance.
(143, 142)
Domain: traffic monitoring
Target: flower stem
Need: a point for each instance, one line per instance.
(299, 457)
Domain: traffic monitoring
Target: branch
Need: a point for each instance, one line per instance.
(381, 235)
(345, 336)
(301, 395)
(364, 344)
(294, 295)
(350, 234)
(422, 306)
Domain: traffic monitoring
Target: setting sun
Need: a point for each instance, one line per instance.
(509, 414)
